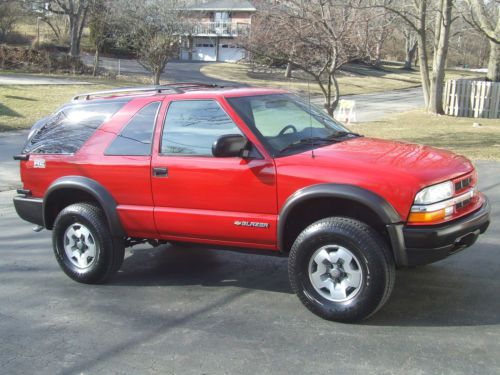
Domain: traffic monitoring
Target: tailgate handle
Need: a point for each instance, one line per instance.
(160, 172)
(21, 157)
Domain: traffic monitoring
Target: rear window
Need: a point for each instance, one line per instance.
(69, 128)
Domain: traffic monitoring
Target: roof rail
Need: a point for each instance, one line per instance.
(174, 87)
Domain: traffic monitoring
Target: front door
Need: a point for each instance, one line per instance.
(201, 198)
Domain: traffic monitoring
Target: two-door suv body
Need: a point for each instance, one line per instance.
(245, 168)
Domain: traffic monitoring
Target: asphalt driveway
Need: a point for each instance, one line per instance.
(174, 310)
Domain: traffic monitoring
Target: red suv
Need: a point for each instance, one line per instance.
(245, 168)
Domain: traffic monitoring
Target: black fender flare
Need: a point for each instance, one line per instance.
(96, 190)
(375, 202)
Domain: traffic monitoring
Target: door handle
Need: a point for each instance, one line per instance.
(160, 172)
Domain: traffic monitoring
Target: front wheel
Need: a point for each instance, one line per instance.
(83, 245)
(341, 269)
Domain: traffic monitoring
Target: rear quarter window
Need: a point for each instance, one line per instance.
(135, 139)
(69, 128)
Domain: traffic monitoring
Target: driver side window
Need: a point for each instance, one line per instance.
(192, 126)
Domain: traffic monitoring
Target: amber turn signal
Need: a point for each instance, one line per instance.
(426, 217)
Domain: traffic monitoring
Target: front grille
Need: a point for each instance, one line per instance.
(463, 204)
(463, 184)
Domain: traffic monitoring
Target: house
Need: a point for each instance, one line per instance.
(217, 24)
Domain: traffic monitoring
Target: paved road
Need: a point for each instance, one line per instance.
(185, 311)
(176, 71)
(11, 144)
(369, 107)
(375, 106)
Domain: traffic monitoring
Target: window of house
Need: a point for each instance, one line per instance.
(222, 16)
(192, 126)
(136, 137)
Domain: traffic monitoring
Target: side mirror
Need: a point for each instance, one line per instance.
(229, 145)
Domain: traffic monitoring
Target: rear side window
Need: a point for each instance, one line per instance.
(192, 126)
(136, 137)
(69, 128)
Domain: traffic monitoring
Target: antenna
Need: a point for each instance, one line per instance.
(310, 121)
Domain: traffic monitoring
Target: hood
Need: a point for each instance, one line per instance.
(394, 170)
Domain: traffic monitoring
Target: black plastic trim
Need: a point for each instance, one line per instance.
(95, 189)
(29, 209)
(431, 243)
(21, 157)
(23, 191)
(379, 205)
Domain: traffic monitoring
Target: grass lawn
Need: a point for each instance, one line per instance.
(453, 133)
(22, 105)
(356, 80)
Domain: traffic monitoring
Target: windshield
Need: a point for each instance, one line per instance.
(286, 124)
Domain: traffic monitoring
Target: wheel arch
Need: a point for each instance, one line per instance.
(373, 207)
(72, 189)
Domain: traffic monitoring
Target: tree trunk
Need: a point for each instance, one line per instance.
(494, 62)
(378, 52)
(410, 53)
(424, 68)
(443, 24)
(331, 105)
(74, 49)
(156, 76)
(96, 62)
(422, 50)
(288, 71)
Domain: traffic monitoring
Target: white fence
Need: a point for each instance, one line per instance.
(468, 98)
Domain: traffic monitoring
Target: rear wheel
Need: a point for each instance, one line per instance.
(341, 269)
(83, 245)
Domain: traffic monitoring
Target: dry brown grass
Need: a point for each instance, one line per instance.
(453, 133)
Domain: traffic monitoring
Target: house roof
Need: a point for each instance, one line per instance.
(222, 5)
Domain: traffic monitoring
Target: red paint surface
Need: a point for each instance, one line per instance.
(202, 197)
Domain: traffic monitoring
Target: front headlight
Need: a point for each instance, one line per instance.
(435, 193)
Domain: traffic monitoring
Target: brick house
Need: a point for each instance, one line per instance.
(218, 23)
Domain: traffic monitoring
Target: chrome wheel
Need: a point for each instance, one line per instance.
(80, 245)
(335, 273)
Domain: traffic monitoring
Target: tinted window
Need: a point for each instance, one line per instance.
(70, 127)
(136, 138)
(192, 126)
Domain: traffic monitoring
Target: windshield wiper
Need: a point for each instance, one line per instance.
(343, 133)
(307, 141)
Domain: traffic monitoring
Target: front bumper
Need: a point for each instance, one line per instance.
(29, 209)
(414, 245)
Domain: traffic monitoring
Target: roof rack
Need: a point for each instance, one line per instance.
(174, 87)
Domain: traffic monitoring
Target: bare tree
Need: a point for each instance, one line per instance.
(484, 16)
(410, 46)
(74, 10)
(100, 25)
(10, 12)
(377, 26)
(416, 14)
(153, 29)
(441, 44)
(317, 37)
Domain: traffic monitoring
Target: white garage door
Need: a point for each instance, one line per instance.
(230, 52)
(204, 50)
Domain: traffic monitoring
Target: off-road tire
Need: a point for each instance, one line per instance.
(109, 251)
(370, 250)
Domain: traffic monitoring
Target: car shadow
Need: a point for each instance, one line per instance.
(177, 265)
(449, 293)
